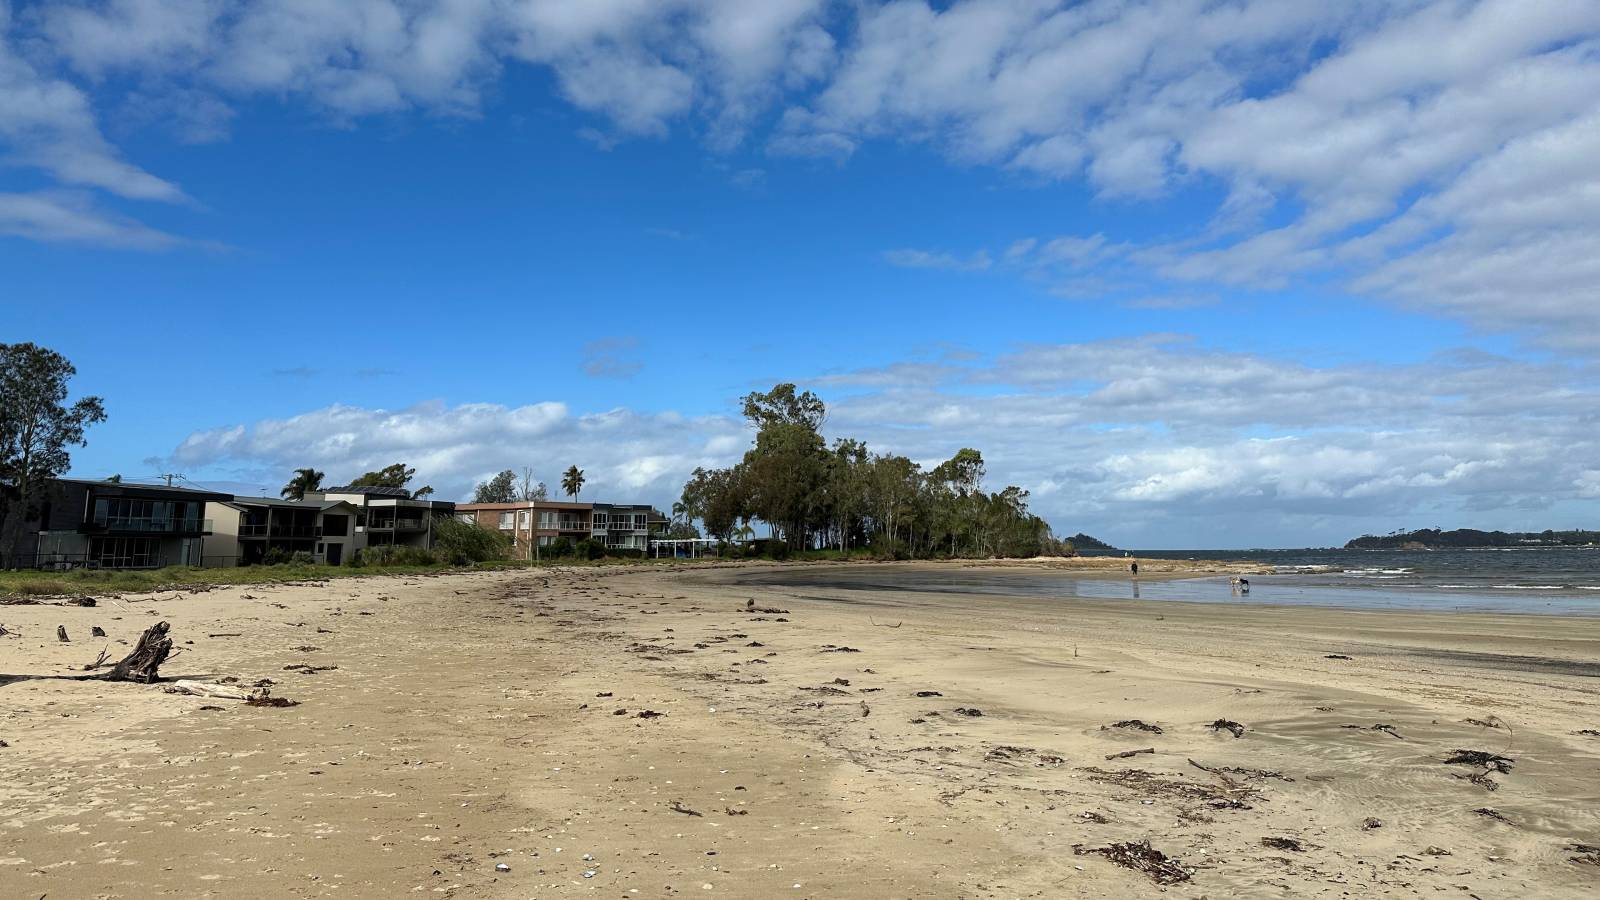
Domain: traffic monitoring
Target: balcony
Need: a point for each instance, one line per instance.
(397, 525)
(279, 530)
(152, 524)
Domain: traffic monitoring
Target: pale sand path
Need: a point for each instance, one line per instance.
(452, 737)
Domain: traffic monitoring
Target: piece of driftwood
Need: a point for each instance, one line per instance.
(207, 689)
(97, 631)
(142, 664)
(61, 634)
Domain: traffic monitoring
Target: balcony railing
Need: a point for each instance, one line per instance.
(277, 530)
(153, 524)
(397, 525)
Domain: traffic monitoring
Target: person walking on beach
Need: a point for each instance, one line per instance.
(1133, 567)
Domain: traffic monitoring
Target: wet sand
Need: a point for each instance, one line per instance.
(473, 719)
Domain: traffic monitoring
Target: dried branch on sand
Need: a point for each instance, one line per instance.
(142, 664)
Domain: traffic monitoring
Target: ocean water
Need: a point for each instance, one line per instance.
(1551, 581)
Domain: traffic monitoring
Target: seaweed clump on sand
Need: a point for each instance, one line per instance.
(1141, 857)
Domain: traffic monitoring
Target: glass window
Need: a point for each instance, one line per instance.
(522, 519)
(506, 520)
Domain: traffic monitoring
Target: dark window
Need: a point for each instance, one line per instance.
(335, 526)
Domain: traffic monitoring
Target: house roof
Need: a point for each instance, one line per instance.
(110, 486)
(290, 504)
(365, 490)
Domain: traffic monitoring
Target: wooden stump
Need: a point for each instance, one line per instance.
(61, 634)
(152, 650)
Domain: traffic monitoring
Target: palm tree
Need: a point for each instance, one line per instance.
(572, 481)
(304, 480)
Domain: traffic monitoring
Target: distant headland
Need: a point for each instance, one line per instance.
(1466, 538)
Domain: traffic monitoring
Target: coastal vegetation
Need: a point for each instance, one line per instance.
(1081, 541)
(843, 496)
(37, 426)
(1463, 538)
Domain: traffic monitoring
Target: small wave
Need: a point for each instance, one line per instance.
(1455, 586)
(1530, 587)
(1589, 587)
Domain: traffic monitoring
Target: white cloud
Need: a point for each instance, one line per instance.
(1152, 439)
(924, 259)
(625, 454)
(72, 217)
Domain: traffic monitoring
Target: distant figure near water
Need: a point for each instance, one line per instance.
(1133, 567)
(1241, 585)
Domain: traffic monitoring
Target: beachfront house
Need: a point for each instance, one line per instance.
(387, 516)
(83, 523)
(616, 525)
(250, 530)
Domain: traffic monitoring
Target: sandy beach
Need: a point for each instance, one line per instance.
(645, 731)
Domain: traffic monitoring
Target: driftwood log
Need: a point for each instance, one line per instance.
(152, 650)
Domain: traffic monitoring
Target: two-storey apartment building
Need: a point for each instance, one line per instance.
(387, 515)
(543, 522)
(247, 529)
(115, 525)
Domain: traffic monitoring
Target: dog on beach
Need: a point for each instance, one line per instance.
(1242, 585)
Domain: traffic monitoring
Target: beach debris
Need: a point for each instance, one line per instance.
(501, 867)
(603, 694)
(1228, 725)
(648, 714)
(735, 812)
(865, 709)
(1135, 725)
(96, 631)
(1141, 857)
(1492, 763)
(1370, 823)
(829, 648)
(678, 807)
(968, 711)
(227, 634)
(269, 701)
(1588, 854)
(1386, 729)
(1150, 784)
(1094, 817)
(1127, 753)
(143, 664)
(61, 634)
(842, 681)
(1492, 722)
(877, 624)
(1588, 732)
(305, 669)
(81, 601)
(1436, 851)
(1283, 843)
(937, 694)
(1337, 656)
(1489, 812)
(99, 661)
(210, 708)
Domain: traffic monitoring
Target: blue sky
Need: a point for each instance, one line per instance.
(1225, 274)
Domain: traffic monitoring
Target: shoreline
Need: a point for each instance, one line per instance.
(470, 720)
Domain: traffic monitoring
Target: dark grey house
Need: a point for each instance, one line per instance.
(115, 525)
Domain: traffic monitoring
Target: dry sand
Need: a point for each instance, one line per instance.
(478, 719)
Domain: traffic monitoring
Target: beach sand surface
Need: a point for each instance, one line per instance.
(641, 731)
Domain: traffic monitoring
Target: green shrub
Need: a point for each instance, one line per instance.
(589, 549)
(560, 547)
(302, 558)
(460, 543)
(400, 555)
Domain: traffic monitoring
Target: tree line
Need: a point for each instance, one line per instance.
(843, 496)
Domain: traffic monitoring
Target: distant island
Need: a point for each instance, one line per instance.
(1081, 541)
(1433, 538)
